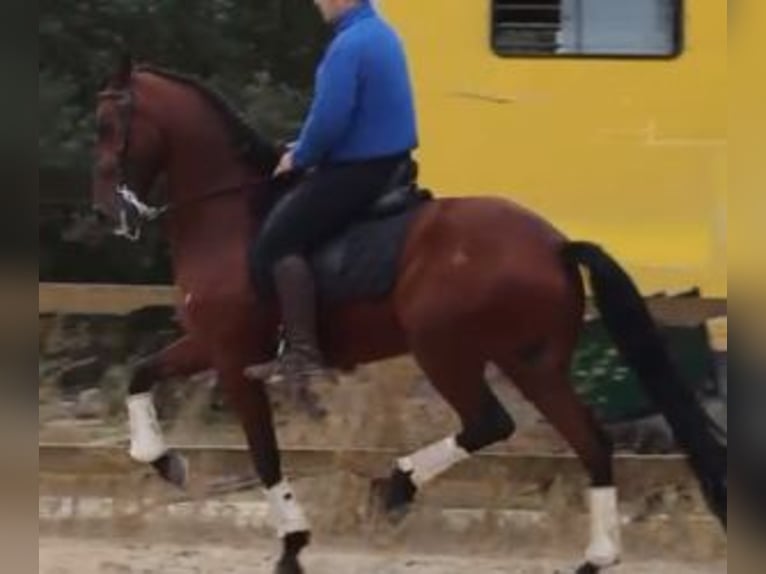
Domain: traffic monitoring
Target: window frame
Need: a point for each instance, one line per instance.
(679, 43)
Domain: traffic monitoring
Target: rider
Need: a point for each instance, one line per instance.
(360, 128)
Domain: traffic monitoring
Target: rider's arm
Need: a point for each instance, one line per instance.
(331, 110)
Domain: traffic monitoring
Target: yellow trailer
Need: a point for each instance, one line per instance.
(609, 117)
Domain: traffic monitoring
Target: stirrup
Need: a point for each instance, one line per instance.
(270, 373)
(265, 371)
(260, 372)
(296, 389)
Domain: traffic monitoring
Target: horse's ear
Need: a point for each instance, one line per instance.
(123, 71)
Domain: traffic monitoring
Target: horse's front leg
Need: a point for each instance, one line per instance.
(251, 402)
(185, 357)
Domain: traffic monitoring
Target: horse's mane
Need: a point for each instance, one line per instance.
(252, 147)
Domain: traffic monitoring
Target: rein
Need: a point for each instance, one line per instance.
(150, 213)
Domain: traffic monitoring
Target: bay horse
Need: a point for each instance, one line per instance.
(481, 280)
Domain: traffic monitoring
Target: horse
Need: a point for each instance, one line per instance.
(480, 280)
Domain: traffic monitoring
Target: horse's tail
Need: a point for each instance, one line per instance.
(626, 317)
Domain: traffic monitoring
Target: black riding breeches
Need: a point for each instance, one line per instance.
(321, 206)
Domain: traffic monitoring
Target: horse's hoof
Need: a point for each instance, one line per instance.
(292, 544)
(395, 495)
(288, 565)
(173, 468)
(590, 568)
(401, 491)
(586, 568)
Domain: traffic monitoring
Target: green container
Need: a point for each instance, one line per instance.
(612, 389)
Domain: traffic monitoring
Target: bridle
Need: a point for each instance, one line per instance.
(128, 199)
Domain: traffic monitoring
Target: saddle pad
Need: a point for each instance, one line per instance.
(362, 262)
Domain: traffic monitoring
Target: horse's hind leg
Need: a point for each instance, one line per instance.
(147, 444)
(550, 389)
(459, 378)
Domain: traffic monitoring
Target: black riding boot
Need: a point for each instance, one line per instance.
(300, 364)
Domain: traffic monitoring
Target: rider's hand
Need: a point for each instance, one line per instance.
(285, 164)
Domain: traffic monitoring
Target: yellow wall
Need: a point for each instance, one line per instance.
(628, 153)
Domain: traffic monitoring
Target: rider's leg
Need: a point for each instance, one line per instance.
(318, 208)
(279, 260)
(295, 289)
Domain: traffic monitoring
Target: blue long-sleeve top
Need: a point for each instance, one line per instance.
(363, 103)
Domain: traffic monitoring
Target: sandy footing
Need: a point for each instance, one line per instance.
(80, 556)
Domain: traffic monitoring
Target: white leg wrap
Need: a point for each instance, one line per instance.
(146, 441)
(285, 511)
(433, 460)
(605, 541)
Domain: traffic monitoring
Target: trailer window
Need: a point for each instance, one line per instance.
(649, 28)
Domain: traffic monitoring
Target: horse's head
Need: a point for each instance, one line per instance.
(129, 152)
(153, 121)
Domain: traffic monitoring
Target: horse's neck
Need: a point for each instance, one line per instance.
(207, 225)
(202, 161)
(211, 234)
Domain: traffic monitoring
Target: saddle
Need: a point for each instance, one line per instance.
(362, 261)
